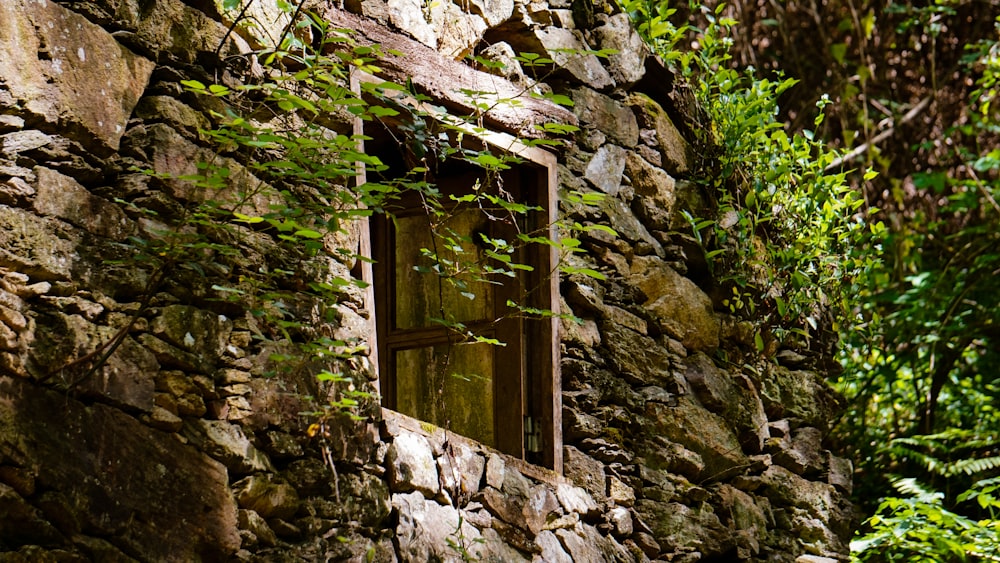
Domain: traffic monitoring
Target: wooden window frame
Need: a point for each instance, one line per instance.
(539, 181)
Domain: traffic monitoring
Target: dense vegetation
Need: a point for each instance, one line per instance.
(887, 119)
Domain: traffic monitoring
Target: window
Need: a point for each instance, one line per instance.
(504, 396)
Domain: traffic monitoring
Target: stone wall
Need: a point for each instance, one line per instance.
(178, 446)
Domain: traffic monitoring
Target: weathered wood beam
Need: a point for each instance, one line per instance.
(512, 110)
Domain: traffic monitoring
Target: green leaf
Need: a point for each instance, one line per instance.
(247, 218)
(193, 85)
(487, 160)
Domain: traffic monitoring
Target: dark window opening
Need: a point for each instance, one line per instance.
(505, 396)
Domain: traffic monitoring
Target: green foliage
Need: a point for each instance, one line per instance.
(788, 243)
(918, 527)
(913, 85)
(947, 454)
(928, 365)
(462, 546)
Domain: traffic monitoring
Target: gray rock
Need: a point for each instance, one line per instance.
(585, 471)
(564, 47)
(411, 465)
(655, 192)
(841, 473)
(585, 545)
(461, 470)
(23, 141)
(819, 501)
(620, 520)
(578, 424)
(551, 549)
(632, 233)
(507, 66)
(799, 394)
(683, 309)
(696, 527)
(361, 497)
(494, 549)
(125, 379)
(494, 12)
(646, 543)
(94, 453)
(408, 16)
(69, 73)
(252, 522)
(732, 396)
(605, 169)
(701, 432)
(196, 331)
(268, 498)
(62, 197)
(673, 148)
(607, 115)
(802, 453)
(11, 123)
(174, 157)
(458, 31)
(40, 246)
(575, 499)
(540, 508)
(172, 111)
(495, 471)
(627, 65)
(226, 443)
(15, 191)
(744, 510)
(637, 358)
(426, 527)
(619, 492)
(503, 507)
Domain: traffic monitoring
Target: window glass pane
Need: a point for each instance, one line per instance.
(421, 296)
(450, 386)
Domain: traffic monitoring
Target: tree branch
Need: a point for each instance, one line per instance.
(862, 149)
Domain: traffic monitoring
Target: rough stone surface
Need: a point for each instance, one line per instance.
(673, 148)
(68, 72)
(605, 169)
(627, 63)
(731, 395)
(800, 394)
(61, 196)
(585, 68)
(267, 498)
(104, 461)
(411, 465)
(226, 443)
(426, 526)
(551, 548)
(607, 115)
(683, 310)
(655, 191)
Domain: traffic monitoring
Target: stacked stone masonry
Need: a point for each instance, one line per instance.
(179, 447)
